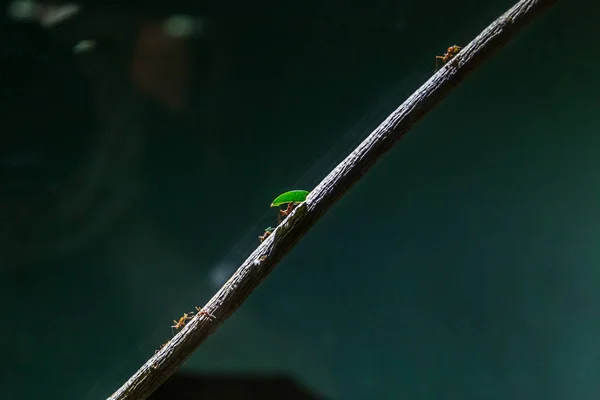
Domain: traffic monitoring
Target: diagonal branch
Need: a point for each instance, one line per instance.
(262, 261)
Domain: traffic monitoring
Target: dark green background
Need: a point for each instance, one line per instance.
(465, 265)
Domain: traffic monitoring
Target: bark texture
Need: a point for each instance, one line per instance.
(262, 261)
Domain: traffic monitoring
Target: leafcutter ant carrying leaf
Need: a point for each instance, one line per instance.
(291, 198)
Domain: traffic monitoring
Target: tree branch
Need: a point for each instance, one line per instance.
(262, 261)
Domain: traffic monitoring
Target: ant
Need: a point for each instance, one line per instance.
(162, 346)
(286, 212)
(452, 51)
(179, 324)
(204, 312)
(188, 316)
(268, 231)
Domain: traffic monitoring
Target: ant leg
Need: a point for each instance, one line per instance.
(209, 315)
(289, 209)
(202, 311)
(437, 62)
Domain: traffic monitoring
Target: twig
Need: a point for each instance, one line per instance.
(262, 261)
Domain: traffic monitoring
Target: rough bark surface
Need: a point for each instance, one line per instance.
(262, 261)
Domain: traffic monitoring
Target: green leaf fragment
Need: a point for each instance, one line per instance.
(293, 196)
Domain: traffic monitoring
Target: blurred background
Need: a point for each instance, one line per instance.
(141, 144)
